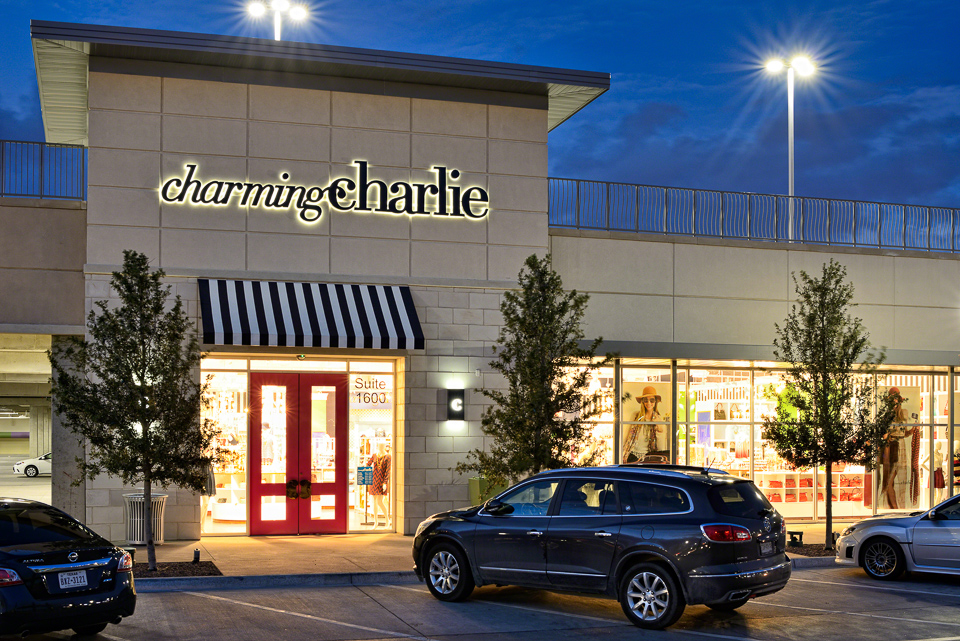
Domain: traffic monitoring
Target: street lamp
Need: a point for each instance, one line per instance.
(279, 7)
(805, 67)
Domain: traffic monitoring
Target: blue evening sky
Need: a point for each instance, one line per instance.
(689, 104)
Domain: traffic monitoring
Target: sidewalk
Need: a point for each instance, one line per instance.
(342, 559)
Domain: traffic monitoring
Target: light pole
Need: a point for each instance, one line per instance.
(279, 7)
(805, 67)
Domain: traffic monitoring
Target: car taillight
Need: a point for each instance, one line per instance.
(726, 533)
(126, 563)
(9, 577)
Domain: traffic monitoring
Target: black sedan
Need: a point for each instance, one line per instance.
(656, 538)
(56, 574)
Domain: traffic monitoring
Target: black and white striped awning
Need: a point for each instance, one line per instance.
(244, 312)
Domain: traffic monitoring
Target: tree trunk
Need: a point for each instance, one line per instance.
(828, 495)
(148, 526)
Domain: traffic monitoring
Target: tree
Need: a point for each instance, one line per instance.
(539, 422)
(130, 390)
(828, 411)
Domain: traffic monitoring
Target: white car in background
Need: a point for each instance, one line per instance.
(885, 546)
(34, 466)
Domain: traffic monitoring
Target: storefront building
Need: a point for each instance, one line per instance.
(342, 224)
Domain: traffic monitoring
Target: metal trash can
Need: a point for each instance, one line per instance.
(133, 507)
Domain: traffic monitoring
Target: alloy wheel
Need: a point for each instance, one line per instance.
(648, 596)
(880, 558)
(444, 572)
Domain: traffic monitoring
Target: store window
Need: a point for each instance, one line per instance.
(372, 395)
(718, 411)
(225, 512)
(600, 439)
(646, 407)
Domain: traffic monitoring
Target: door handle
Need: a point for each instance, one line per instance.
(292, 491)
(602, 534)
(534, 533)
(305, 489)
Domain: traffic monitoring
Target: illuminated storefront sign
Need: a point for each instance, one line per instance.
(371, 391)
(442, 197)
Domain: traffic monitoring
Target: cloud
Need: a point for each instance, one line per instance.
(23, 122)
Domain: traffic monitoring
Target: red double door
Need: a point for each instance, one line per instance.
(298, 453)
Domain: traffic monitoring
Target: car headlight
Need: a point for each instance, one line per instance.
(423, 526)
(19, 463)
(848, 531)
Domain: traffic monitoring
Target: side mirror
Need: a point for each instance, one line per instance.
(495, 507)
(933, 515)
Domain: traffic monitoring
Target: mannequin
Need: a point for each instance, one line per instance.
(380, 490)
(936, 472)
(897, 452)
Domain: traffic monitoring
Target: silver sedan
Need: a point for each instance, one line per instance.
(886, 546)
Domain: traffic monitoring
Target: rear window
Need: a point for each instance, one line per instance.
(741, 499)
(19, 526)
(647, 498)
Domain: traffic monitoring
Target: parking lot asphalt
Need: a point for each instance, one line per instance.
(834, 603)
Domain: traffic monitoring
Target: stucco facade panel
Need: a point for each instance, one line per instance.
(288, 104)
(124, 130)
(41, 297)
(363, 256)
(927, 328)
(199, 249)
(464, 154)
(121, 168)
(516, 228)
(506, 261)
(517, 193)
(288, 253)
(629, 317)
(927, 283)
(384, 148)
(517, 123)
(448, 260)
(370, 112)
(208, 136)
(455, 119)
(607, 265)
(727, 321)
(105, 243)
(204, 98)
(730, 272)
(518, 158)
(108, 206)
(123, 91)
(289, 142)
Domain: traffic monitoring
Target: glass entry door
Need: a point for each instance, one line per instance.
(298, 453)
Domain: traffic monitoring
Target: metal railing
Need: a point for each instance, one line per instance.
(42, 170)
(585, 204)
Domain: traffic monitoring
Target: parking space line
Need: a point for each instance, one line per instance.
(857, 614)
(365, 628)
(866, 586)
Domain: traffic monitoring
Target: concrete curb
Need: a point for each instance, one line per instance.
(260, 581)
(802, 562)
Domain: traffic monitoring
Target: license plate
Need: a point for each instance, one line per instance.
(766, 548)
(73, 579)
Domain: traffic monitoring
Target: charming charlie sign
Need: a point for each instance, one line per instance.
(440, 197)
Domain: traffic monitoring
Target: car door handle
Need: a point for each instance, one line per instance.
(534, 533)
(602, 534)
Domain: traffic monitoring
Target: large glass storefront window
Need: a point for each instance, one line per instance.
(225, 512)
(600, 447)
(372, 396)
(720, 415)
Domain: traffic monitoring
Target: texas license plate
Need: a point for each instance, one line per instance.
(73, 579)
(766, 548)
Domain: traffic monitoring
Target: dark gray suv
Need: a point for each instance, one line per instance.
(654, 537)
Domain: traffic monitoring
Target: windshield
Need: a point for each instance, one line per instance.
(741, 499)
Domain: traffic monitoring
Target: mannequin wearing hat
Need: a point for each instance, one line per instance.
(642, 439)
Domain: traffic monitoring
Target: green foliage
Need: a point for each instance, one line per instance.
(539, 422)
(828, 411)
(131, 391)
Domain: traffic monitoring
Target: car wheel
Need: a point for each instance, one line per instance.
(90, 630)
(448, 573)
(883, 559)
(727, 606)
(31, 471)
(650, 597)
